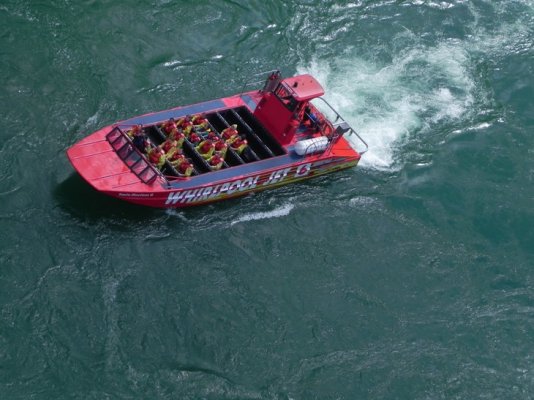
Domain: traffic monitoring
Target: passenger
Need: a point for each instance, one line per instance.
(221, 148)
(309, 118)
(134, 130)
(205, 148)
(215, 162)
(170, 148)
(140, 141)
(187, 127)
(181, 121)
(194, 138)
(176, 159)
(185, 169)
(168, 127)
(198, 118)
(168, 145)
(178, 136)
(230, 134)
(199, 121)
(156, 156)
(213, 136)
(239, 145)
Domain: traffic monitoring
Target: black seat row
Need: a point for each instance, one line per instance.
(261, 144)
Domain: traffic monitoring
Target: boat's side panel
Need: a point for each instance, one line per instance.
(238, 171)
(238, 186)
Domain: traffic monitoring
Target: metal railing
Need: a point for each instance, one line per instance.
(132, 157)
(333, 124)
(250, 82)
(337, 122)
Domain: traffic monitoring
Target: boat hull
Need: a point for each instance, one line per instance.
(111, 162)
(218, 191)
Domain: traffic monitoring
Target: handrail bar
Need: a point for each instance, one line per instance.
(132, 148)
(336, 123)
(249, 82)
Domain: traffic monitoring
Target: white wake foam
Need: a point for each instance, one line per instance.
(276, 213)
(422, 87)
(386, 104)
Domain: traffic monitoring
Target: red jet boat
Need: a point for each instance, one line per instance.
(219, 149)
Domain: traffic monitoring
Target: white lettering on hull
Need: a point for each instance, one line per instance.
(237, 186)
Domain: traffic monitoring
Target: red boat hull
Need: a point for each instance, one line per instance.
(108, 161)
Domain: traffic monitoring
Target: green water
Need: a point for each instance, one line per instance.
(408, 277)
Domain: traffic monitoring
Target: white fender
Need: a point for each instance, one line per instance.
(310, 146)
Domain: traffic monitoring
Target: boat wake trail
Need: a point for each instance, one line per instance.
(281, 211)
(409, 87)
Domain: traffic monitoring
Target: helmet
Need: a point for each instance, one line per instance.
(234, 126)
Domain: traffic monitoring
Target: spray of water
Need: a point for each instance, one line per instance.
(423, 88)
(386, 104)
